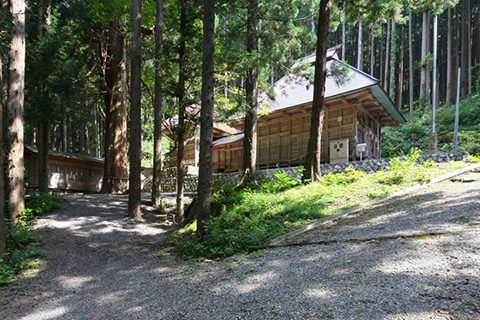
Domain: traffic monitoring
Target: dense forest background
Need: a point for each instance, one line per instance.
(78, 55)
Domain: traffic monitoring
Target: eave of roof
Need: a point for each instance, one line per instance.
(228, 140)
(67, 155)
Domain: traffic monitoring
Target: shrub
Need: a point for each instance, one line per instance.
(283, 181)
(398, 141)
(407, 169)
(21, 239)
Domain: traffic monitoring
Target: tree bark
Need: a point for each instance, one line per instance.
(15, 105)
(115, 179)
(42, 146)
(400, 73)
(456, 45)
(380, 75)
(423, 70)
(251, 91)
(206, 118)
(312, 161)
(344, 33)
(393, 56)
(448, 97)
(180, 215)
(2, 154)
(464, 50)
(428, 76)
(372, 51)
(134, 192)
(410, 64)
(157, 109)
(387, 61)
(360, 45)
(468, 19)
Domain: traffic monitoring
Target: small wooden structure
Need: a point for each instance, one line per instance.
(356, 109)
(66, 171)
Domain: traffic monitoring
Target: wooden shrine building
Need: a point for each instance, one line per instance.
(66, 171)
(356, 109)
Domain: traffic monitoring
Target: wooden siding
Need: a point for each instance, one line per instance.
(283, 136)
(66, 173)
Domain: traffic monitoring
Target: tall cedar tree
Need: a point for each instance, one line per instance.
(448, 91)
(372, 50)
(312, 161)
(387, 57)
(15, 104)
(251, 91)
(180, 215)
(157, 108)
(3, 5)
(115, 173)
(134, 193)
(206, 117)
(393, 55)
(410, 63)
(43, 122)
(465, 48)
(360, 45)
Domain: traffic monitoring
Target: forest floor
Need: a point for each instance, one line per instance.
(99, 265)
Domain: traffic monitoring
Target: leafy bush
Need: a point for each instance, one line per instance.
(283, 181)
(407, 169)
(245, 219)
(398, 141)
(21, 239)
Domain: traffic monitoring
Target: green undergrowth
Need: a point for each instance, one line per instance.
(399, 140)
(249, 218)
(21, 240)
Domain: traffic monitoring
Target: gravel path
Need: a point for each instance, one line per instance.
(101, 266)
(449, 205)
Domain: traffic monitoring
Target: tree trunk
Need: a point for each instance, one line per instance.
(251, 91)
(16, 82)
(449, 91)
(360, 45)
(423, 70)
(400, 74)
(428, 76)
(380, 75)
(468, 19)
(312, 161)
(2, 154)
(134, 192)
(180, 215)
(372, 51)
(344, 33)
(456, 45)
(206, 117)
(410, 64)
(42, 146)
(115, 179)
(157, 109)
(64, 134)
(81, 138)
(393, 58)
(387, 57)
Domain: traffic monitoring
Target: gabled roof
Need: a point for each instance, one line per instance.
(229, 139)
(294, 90)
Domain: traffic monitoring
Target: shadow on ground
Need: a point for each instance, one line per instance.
(102, 266)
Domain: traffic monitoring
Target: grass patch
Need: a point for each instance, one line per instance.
(22, 241)
(249, 218)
